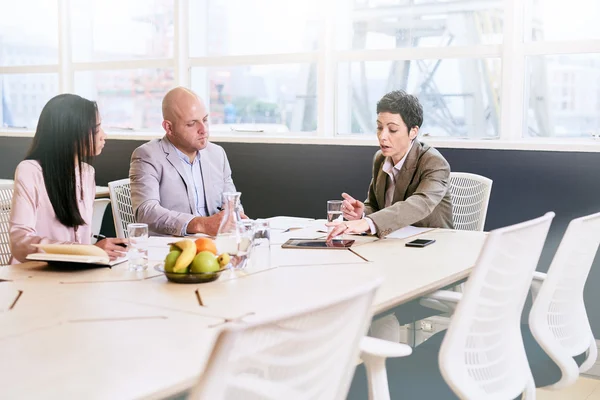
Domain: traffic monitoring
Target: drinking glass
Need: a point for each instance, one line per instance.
(334, 213)
(137, 246)
(227, 237)
(261, 251)
(245, 234)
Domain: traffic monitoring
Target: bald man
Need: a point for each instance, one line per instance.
(177, 182)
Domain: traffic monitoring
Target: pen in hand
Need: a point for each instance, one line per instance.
(102, 237)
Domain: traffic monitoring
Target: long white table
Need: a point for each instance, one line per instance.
(111, 333)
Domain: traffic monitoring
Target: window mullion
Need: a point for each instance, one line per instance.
(65, 60)
(326, 74)
(181, 45)
(512, 123)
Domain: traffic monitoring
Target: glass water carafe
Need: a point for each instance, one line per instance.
(228, 237)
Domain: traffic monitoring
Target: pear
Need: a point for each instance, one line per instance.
(171, 259)
(224, 259)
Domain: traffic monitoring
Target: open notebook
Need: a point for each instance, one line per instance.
(74, 253)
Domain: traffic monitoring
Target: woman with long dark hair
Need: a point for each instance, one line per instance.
(55, 186)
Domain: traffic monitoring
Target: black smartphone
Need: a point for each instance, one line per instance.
(420, 243)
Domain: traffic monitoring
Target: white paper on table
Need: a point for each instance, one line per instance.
(76, 258)
(284, 223)
(407, 231)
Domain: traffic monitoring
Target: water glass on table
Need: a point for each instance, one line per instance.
(245, 236)
(138, 246)
(261, 251)
(334, 213)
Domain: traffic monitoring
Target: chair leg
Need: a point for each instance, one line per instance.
(592, 354)
(529, 392)
(386, 328)
(376, 377)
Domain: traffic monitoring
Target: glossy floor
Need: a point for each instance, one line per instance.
(584, 389)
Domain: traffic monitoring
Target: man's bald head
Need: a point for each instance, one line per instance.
(185, 120)
(175, 100)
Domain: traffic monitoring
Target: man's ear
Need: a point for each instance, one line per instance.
(412, 134)
(167, 127)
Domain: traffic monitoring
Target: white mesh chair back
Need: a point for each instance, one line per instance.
(6, 193)
(558, 319)
(470, 195)
(98, 215)
(483, 355)
(120, 199)
(303, 355)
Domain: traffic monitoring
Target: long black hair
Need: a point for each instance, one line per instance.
(63, 141)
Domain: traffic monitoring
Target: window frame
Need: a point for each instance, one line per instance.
(513, 51)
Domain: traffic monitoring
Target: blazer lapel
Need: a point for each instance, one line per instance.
(380, 186)
(406, 173)
(207, 181)
(175, 161)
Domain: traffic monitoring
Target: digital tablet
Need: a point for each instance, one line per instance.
(316, 244)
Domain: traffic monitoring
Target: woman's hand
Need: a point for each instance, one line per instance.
(352, 209)
(340, 228)
(114, 247)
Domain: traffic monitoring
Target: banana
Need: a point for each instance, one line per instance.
(188, 252)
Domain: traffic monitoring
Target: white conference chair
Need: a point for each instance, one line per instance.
(120, 199)
(558, 340)
(481, 355)
(558, 320)
(98, 214)
(6, 193)
(304, 354)
(470, 195)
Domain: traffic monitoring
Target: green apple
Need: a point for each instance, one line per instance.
(171, 259)
(205, 261)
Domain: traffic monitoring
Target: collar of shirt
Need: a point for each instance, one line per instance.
(393, 170)
(185, 158)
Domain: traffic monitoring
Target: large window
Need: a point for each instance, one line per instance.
(236, 27)
(399, 23)
(107, 30)
(127, 99)
(28, 32)
(504, 70)
(562, 79)
(560, 20)
(460, 97)
(260, 98)
(23, 96)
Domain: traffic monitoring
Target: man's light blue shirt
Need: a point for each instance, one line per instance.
(193, 172)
